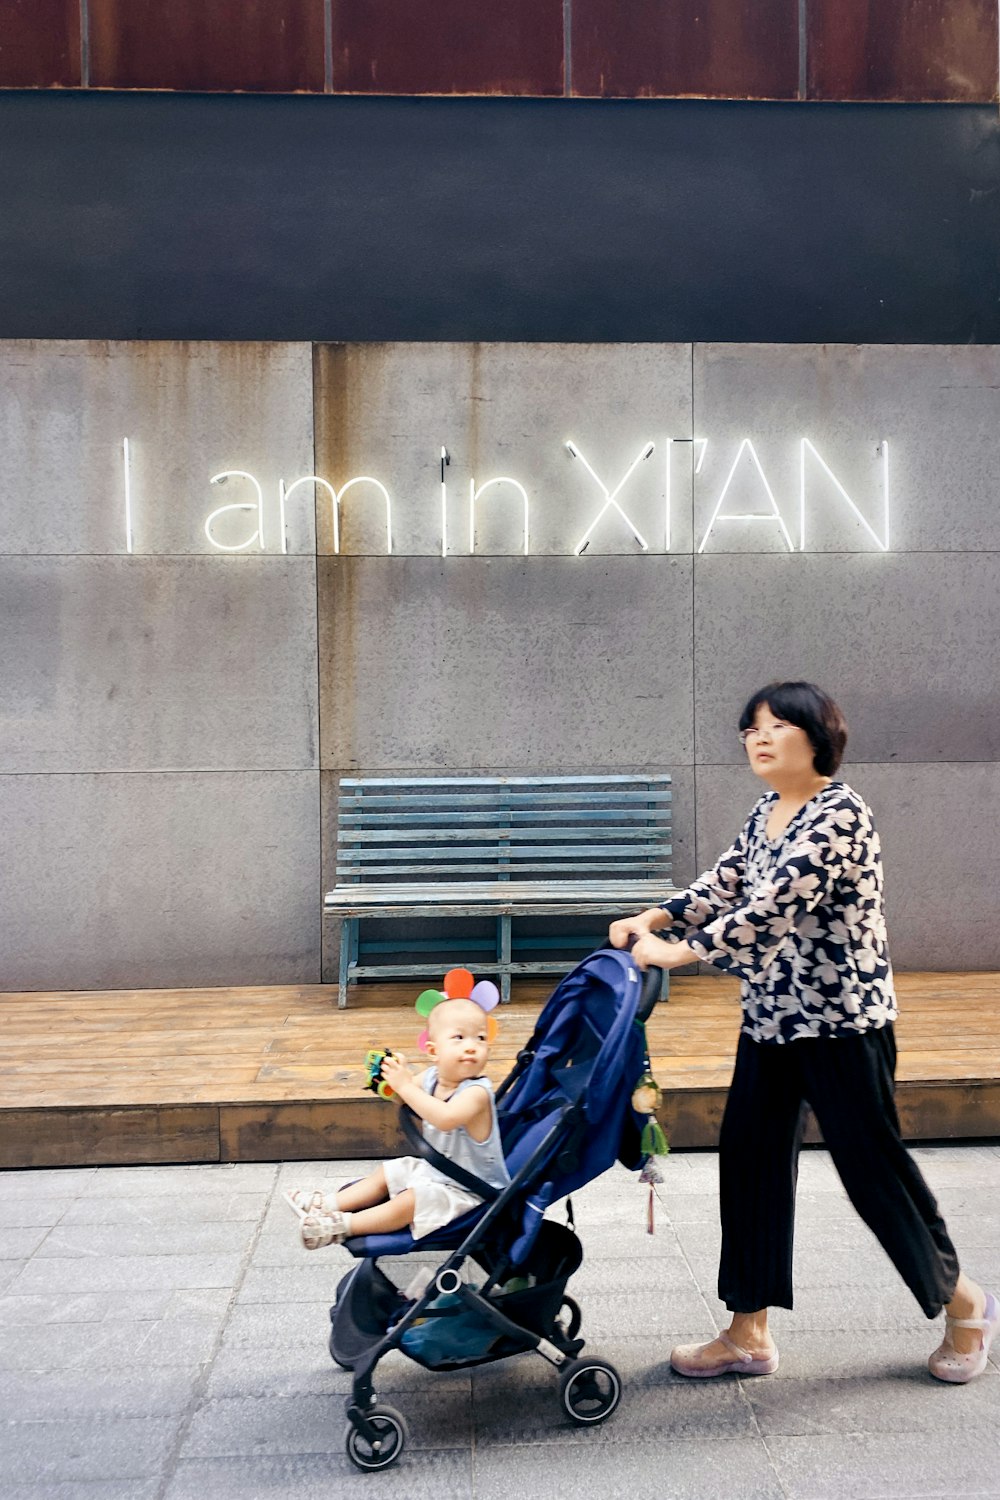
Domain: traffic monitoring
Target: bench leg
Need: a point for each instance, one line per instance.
(664, 987)
(348, 956)
(503, 957)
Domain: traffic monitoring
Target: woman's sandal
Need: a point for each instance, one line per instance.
(741, 1362)
(958, 1369)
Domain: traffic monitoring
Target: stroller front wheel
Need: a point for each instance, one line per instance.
(589, 1390)
(389, 1444)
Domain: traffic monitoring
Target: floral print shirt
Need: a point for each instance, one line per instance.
(799, 919)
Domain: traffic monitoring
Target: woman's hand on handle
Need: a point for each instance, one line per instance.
(621, 932)
(651, 952)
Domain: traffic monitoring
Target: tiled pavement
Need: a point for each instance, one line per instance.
(162, 1337)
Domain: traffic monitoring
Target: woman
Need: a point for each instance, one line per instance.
(795, 908)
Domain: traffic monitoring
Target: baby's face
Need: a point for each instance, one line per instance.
(456, 1039)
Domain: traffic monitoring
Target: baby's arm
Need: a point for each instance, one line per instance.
(471, 1107)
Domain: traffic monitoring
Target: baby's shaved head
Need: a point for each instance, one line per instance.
(454, 1012)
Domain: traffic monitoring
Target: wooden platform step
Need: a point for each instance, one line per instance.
(102, 1078)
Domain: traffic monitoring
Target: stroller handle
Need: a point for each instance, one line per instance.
(649, 994)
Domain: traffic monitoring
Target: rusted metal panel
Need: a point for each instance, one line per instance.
(448, 47)
(908, 50)
(40, 44)
(720, 49)
(263, 46)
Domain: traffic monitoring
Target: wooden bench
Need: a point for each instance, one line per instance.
(500, 847)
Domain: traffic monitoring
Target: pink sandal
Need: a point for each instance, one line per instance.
(741, 1363)
(958, 1369)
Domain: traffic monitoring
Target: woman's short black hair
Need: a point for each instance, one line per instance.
(806, 705)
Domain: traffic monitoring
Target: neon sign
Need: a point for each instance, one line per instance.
(810, 459)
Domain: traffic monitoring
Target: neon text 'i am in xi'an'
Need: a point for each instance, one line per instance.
(267, 527)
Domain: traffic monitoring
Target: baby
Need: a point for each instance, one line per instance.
(455, 1102)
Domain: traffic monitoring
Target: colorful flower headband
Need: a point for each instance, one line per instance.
(459, 984)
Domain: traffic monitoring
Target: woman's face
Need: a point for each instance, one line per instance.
(778, 751)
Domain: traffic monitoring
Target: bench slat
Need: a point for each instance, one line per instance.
(512, 800)
(493, 836)
(491, 781)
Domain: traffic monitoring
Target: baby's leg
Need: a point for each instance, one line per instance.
(364, 1194)
(384, 1217)
(319, 1228)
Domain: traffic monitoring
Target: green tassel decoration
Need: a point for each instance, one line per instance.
(654, 1142)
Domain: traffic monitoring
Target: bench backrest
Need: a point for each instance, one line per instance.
(503, 828)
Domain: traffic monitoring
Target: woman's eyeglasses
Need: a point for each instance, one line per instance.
(748, 736)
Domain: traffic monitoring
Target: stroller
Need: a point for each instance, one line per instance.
(565, 1116)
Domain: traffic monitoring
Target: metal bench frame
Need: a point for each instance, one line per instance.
(500, 846)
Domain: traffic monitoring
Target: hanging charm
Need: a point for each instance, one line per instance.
(646, 1098)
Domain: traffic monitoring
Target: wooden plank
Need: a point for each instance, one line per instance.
(108, 1137)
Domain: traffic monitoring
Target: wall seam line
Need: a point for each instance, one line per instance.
(328, 46)
(694, 638)
(803, 46)
(568, 48)
(84, 44)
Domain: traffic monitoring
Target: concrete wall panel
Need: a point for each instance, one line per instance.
(189, 411)
(147, 663)
(120, 881)
(937, 406)
(386, 410)
(905, 643)
(942, 867)
(549, 663)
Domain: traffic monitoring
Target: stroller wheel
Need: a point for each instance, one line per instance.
(568, 1318)
(392, 1435)
(590, 1390)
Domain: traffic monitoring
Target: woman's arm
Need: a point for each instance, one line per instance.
(709, 895)
(470, 1107)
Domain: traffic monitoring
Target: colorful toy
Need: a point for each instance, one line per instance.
(373, 1068)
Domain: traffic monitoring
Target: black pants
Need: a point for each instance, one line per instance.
(849, 1083)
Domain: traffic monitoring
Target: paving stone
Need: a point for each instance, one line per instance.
(910, 1402)
(19, 1243)
(439, 1475)
(126, 1391)
(10, 1271)
(516, 1401)
(902, 1466)
(137, 1183)
(188, 1208)
(105, 1448)
(55, 1182)
(315, 1278)
(845, 1355)
(315, 1424)
(118, 1241)
(33, 1212)
(687, 1470)
(79, 1346)
(130, 1273)
(98, 1489)
(175, 1342)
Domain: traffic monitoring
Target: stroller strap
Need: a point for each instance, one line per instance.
(423, 1147)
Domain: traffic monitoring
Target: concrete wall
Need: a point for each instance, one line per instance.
(173, 718)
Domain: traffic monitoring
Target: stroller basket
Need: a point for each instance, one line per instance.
(455, 1333)
(451, 1333)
